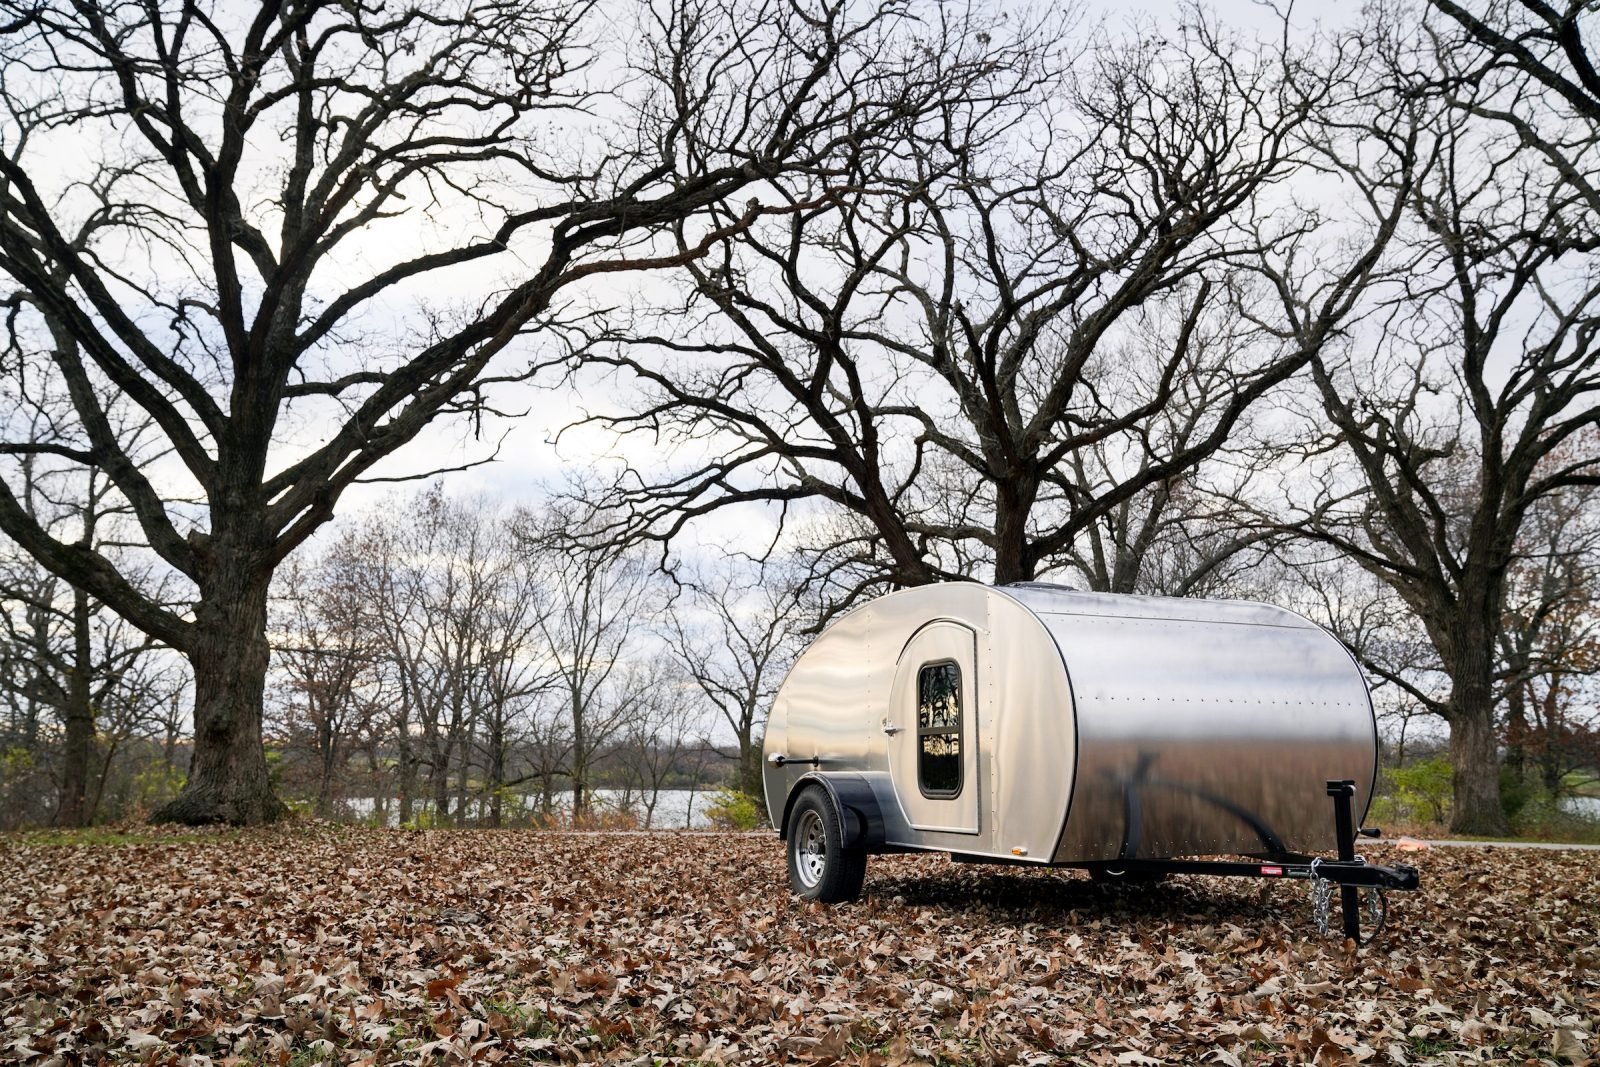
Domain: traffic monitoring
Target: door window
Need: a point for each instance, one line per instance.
(939, 729)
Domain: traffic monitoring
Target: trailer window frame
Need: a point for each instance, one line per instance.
(959, 732)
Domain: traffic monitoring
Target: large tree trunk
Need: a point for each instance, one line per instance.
(1477, 808)
(78, 744)
(1014, 502)
(228, 780)
(547, 797)
(1470, 661)
(106, 758)
(408, 774)
(376, 785)
(462, 772)
(405, 763)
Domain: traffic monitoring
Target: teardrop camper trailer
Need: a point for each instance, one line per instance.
(1035, 724)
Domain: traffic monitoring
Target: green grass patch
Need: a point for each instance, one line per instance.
(1584, 783)
(528, 1020)
(1431, 1045)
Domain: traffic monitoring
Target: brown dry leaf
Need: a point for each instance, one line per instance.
(1569, 1045)
(835, 1043)
(1135, 1057)
(308, 945)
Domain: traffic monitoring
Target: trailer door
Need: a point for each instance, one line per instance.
(932, 729)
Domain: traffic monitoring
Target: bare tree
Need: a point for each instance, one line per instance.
(511, 675)
(415, 634)
(1182, 535)
(663, 736)
(1486, 367)
(63, 649)
(599, 604)
(733, 635)
(253, 191)
(445, 614)
(1549, 640)
(64, 655)
(447, 570)
(1540, 40)
(393, 600)
(1372, 620)
(926, 355)
(324, 651)
(546, 750)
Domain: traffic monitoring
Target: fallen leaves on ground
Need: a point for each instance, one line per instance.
(294, 947)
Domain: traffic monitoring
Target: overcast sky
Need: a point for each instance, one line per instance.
(530, 459)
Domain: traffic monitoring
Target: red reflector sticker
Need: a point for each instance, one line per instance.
(1276, 872)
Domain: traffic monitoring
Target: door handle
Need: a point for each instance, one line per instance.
(889, 728)
(778, 759)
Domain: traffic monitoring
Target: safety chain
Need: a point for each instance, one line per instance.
(1322, 905)
(1377, 911)
(1321, 899)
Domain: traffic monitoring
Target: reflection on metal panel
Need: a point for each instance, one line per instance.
(939, 728)
(939, 696)
(1092, 726)
(932, 738)
(1046, 599)
(1208, 735)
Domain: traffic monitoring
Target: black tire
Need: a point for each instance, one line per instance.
(820, 866)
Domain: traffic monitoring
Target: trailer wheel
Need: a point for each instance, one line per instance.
(820, 866)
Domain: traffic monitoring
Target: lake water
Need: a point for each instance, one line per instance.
(676, 809)
(1588, 807)
(684, 809)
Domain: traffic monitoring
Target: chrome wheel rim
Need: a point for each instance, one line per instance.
(810, 849)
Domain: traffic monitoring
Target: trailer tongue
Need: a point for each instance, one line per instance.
(1349, 873)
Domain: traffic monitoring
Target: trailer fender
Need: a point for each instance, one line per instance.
(852, 798)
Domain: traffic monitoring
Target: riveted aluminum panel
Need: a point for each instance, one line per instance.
(1204, 727)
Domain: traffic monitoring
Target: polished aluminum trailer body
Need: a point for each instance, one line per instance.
(1092, 727)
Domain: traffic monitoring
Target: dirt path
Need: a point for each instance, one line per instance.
(1555, 846)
